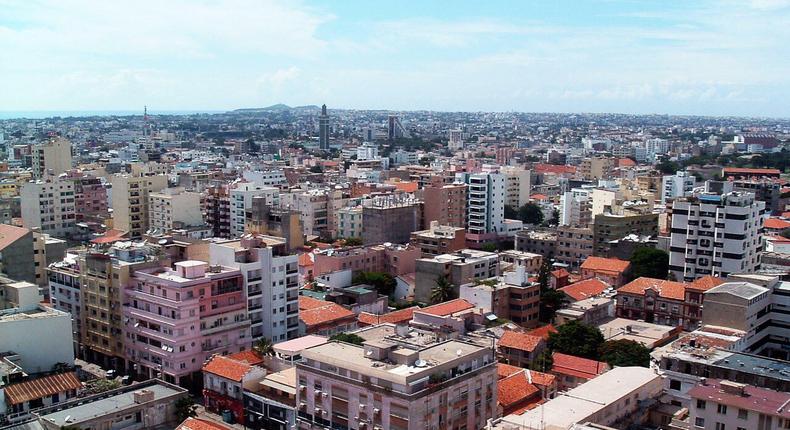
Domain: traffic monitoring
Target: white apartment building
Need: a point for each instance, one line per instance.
(349, 222)
(241, 199)
(49, 206)
(456, 140)
(51, 158)
(313, 207)
(655, 147)
(715, 234)
(518, 186)
(576, 207)
(725, 405)
(174, 208)
(271, 277)
(485, 202)
(130, 201)
(681, 184)
(268, 178)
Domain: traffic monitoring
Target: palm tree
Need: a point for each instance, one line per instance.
(443, 291)
(263, 346)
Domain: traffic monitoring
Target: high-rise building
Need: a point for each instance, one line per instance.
(485, 202)
(396, 383)
(174, 208)
(90, 195)
(49, 206)
(51, 158)
(596, 168)
(519, 187)
(681, 184)
(263, 218)
(608, 227)
(715, 234)
(459, 268)
(395, 129)
(456, 140)
(271, 277)
(389, 218)
(217, 210)
(576, 207)
(175, 319)
(130, 202)
(241, 200)
(445, 204)
(323, 130)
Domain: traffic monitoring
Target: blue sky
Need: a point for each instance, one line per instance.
(678, 57)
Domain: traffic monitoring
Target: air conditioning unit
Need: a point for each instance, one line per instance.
(325, 395)
(361, 406)
(376, 410)
(317, 392)
(356, 417)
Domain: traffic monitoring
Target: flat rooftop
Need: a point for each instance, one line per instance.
(14, 314)
(101, 405)
(645, 333)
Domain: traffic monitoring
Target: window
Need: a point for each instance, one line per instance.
(743, 414)
(700, 404)
(720, 426)
(674, 384)
(699, 422)
(722, 409)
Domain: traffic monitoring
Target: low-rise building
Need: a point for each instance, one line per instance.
(439, 239)
(323, 317)
(520, 349)
(459, 268)
(610, 270)
(722, 404)
(572, 371)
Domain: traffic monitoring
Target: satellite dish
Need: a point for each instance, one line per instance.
(420, 363)
(369, 352)
(162, 241)
(459, 353)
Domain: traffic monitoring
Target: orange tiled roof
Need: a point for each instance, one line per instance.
(666, 289)
(199, 424)
(305, 260)
(551, 168)
(520, 341)
(227, 367)
(625, 162)
(543, 332)
(26, 391)
(743, 170)
(600, 264)
(10, 234)
(314, 312)
(448, 308)
(514, 389)
(538, 196)
(776, 224)
(577, 366)
(705, 283)
(585, 289)
(249, 357)
(559, 273)
(395, 317)
(504, 370)
(110, 236)
(542, 379)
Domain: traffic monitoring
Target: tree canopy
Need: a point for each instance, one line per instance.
(443, 291)
(383, 282)
(577, 338)
(649, 262)
(348, 338)
(624, 352)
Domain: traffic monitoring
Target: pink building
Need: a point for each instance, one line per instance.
(176, 319)
(90, 195)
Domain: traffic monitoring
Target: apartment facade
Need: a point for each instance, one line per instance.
(130, 202)
(216, 210)
(384, 384)
(51, 158)
(174, 208)
(271, 277)
(485, 202)
(349, 222)
(439, 239)
(608, 227)
(445, 204)
(574, 245)
(389, 219)
(681, 184)
(177, 318)
(241, 196)
(459, 268)
(719, 404)
(715, 234)
(49, 206)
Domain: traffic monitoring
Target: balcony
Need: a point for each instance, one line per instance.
(224, 327)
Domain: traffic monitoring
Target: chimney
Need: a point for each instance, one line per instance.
(143, 396)
(730, 387)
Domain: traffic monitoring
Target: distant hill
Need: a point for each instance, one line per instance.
(277, 107)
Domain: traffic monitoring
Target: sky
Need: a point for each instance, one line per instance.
(669, 56)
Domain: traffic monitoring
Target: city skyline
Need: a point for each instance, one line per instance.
(707, 58)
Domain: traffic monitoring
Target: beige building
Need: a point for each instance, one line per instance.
(48, 205)
(459, 268)
(439, 239)
(392, 382)
(518, 186)
(349, 222)
(596, 168)
(174, 208)
(574, 245)
(51, 158)
(130, 202)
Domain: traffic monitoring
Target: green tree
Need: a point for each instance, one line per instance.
(489, 247)
(384, 283)
(510, 212)
(576, 338)
(544, 274)
(530, 213)
(649, 262)
(316, 169)
(550, 302)
(624, 352)
(443, 291)
(668, 167)
(263, 346)
(348, 338)
(353, 241)
(185, 408)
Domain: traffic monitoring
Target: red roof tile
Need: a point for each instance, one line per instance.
(559, 273)
(551, 168)
(666, 289)
(776, 224)
(520, 341)
(504, 370)
(585, 289)
(577, 366)
(314, 312)
(600, 264)
(626, 162)
(543, 332)
(249, 357)
(705, 283)
(305, 260)
(448, 308)
(747, 171)
(395, 317)
(538, 196)
(10, 234)
(110, 236)
(26, 391)
(199, 424)
(514, 389)
(227, 368)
